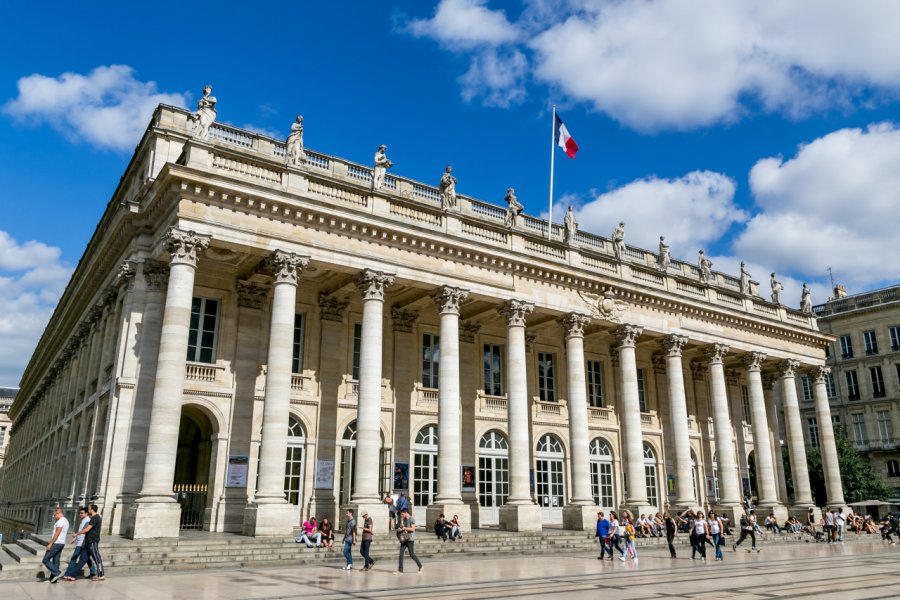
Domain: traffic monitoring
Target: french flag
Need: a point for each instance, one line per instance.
(563, 139)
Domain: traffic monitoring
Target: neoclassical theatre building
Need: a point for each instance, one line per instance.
(258, 332)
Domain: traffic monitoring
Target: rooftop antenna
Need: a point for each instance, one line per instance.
(831, 275)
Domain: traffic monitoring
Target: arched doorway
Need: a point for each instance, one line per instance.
(493, 476)
(424, 479)
(750, 484)
(348, 465)
(650, 478)
(602, 474)
(695, 477)
(192, 466)
(550, 478)
(293, 468)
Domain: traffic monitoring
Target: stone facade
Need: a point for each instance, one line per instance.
(863, 386)
(7, 395)
(246, 342)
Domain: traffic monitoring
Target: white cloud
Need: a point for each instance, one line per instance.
(835, 204)
(498, 76)
(681, 64)
(32, 279)
(690, 211)
(107, 108)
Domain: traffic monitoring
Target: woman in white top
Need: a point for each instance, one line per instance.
(700, 534)
(715, 530)
(616, 531)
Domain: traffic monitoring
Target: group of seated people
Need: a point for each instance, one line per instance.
(445, 529)
(316, 535)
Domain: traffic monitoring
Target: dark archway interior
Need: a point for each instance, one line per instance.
(194, 445)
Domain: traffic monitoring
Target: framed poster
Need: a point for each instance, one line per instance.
(468, 478)
(236, 473)
(710, 486)
(401, 476)
(670, 484)
(324, 474)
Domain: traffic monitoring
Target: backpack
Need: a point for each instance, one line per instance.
(745, 522)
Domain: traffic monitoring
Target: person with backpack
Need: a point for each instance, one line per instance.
(603, 535)
(748, 524)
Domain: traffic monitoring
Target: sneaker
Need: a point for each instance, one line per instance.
(691, 558)
(635, 559)
(398, 572)
(55, 578)
(372, 564)
(420, 568)
(734, 547)
(622, 558)
(348, 568)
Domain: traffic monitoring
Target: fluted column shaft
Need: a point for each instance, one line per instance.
(449, 425)
(630, 418)
(165, 414)
(794, 425)
(516, 311)
(574, 325)
(277, 405)
(372, 284)
(678, 418)
(765, 470)
(729, 486)
(827, 447)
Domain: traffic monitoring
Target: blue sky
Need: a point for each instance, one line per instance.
(759, 131)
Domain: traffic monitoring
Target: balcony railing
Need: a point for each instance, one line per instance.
(491, 406)
(876, 444)
(203, 372)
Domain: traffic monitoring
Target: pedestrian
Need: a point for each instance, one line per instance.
(839, 521)
(91, 547)
(349, 539)
(671, 527)
(56, 545)
(616, 531)
(406, 533)
(748, 524)
(716, 530)
(629, 540)
(829, 525)
(700, 526)
(392, 511)
(367, 535)
(79, 544)
(603, 535)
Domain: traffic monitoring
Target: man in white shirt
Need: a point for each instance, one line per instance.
(56, 545)
(839, 521)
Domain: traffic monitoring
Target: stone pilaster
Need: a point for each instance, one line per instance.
(581, 512)
(270, 513)
(449, 491)
(794, 430)
(684, 479)
(156, 514)
(520, 513)
(832, 470)
(630, 419)
(765, 468)
(729, 484)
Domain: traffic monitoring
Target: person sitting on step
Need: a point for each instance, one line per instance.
(441, 528)
(310, 534)
(454, 529)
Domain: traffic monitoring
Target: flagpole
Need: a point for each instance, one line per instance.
(552, 155)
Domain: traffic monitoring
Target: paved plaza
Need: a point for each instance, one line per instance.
(856, 570)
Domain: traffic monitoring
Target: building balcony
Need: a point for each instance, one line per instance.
(204, 372)
(555, 412)
(649, 420)
(488, 406)
(876, 444)
(599, 415)
(426, 399)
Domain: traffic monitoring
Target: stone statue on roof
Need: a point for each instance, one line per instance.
(382, 163)
(705, 266)
(570, 226)
(618, 241)
(745, 279)
(806, 300)
(776, 289)
(513, 207)
(664, 258)
(448, 189)
(205, 115)
(295, 154)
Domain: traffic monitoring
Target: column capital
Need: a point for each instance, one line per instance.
(467, 331)
(574, 324)
(516, 311)
(819, 373)
(448, 298)
(787, 368)
(251, 295)
(732, 376)
(184, 247)
(403, 319)
(698, 370)
(156, 274)
(673, 344)
(715, 353)
(659, 362)
(287, 266)
(372, 283)
(753, 360)
(331, 308)
(627, 335)
(768, 380)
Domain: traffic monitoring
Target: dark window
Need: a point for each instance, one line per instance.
(546, 377)
(642, 396)
(870, 342)
(357, 344)
(202, 334)
(493, 370)
(431, 360)
(846, 346)
(877, 382)
(297, 362)
(595, 383)
(852, 385)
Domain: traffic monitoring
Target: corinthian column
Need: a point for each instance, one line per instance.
(581, 513)
(156, 514)
(270, 514)
(520, 513)
(794, 426)
(449, 493)
(372, 284)
(630, 419)
(830, 466)
(765, 468)
(729, 487)
(684, 477)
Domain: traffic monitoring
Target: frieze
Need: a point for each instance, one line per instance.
(251, 295)
(331, 308)
(403, 319)
(468, 330)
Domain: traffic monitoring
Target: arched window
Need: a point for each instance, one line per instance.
(425, 451)
(348, 464)
(694, 475)
(893, 468)
(602, 474)
(293, 466)
(650, 478)
(493, 476)
(549, 476)
(715, 469)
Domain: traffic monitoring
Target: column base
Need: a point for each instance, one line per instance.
(580, 517)
(268, 519)
(462, 510)
(146, 520)
(520, 517)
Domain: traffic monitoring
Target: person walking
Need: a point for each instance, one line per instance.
(603, 535)
(699, 526)
(748, 523)
(406, 533)
(840, 520)
(717, 531)
(671, 527)
(367, 536)
(79, 544)
(56, 545)
(91, 534)
(392, 511)
(349, 540)
(629, 540)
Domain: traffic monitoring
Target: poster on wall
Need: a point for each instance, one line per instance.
(324, 474)
(236, 474)
(670, 483)
(401, 476)
(468, 478)
(710, 486)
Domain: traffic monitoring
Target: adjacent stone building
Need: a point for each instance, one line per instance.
(255, 334)
(864, 383)
(7, 395)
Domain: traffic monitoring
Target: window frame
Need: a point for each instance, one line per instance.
(299, 343)
(846, 343)
(594, 370)
(852, 380)
(431, 360)
(492, 370)
(196, 331)
(870, 342)
(546, 377)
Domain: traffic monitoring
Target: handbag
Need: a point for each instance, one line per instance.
(403, 536)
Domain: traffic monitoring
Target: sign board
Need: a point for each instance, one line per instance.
(236, 474)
